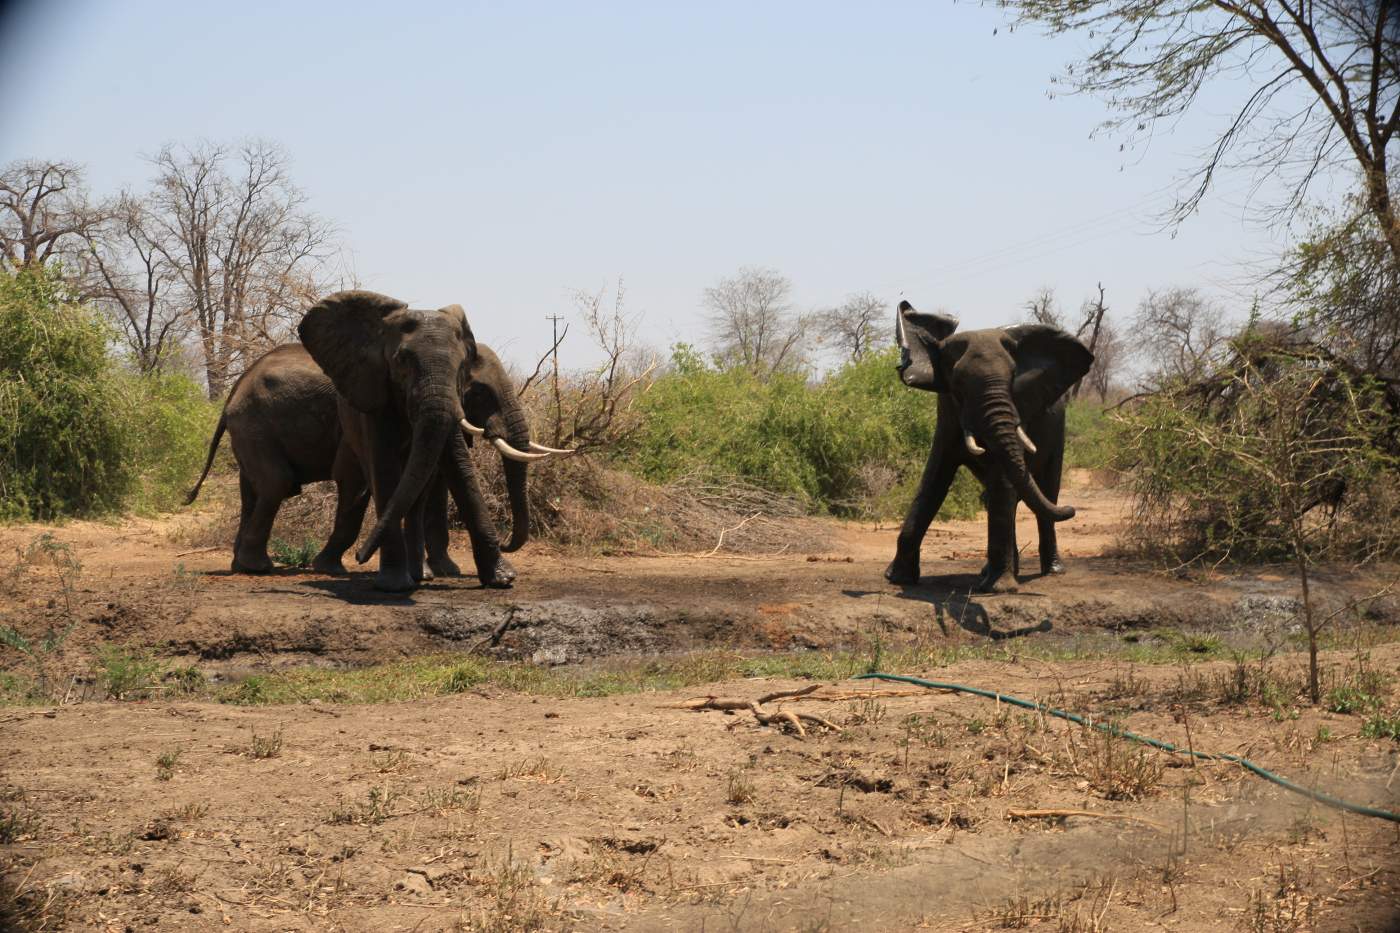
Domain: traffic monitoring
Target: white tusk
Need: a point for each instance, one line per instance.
(472, 429)
(511, 453)
(541, 449)
(971, 443)
(1021, 433)
(899, 328)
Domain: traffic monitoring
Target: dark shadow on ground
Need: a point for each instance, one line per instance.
(953, 599)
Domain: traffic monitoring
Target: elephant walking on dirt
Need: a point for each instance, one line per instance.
(289, 426)
(1001, 414)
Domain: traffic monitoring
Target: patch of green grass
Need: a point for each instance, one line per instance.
(1382, 726)
(126, 673)
(1350, 699)
(293, 555)
(165, 764)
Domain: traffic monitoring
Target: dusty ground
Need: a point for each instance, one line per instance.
(496, 811)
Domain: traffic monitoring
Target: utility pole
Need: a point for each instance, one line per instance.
(554, 319)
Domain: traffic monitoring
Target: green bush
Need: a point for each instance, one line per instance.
(853, 443)
(65, 443)
(171, 421)
(1090, 436)
(79, 436)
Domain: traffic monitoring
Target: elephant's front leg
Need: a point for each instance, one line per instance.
(1048, 479)
(999, 573)
(933, 489)
(413, 540)
(352, 498)
(492, 569)
(385, 471)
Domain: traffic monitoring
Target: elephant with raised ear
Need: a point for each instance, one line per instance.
(401, 375)
(1001, 413)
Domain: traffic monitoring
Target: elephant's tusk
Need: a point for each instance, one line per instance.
(971, 443)
(899, 329)
(541, 449)
(511, 453)
(472, 429)
(1025, 439)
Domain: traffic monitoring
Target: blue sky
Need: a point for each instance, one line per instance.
(500, 155)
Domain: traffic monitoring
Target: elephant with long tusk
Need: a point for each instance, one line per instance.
(1001, 414)
(289, 426)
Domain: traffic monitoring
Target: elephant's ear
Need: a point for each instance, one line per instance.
(488, 392)
(1048, 362)
(920, 336)
(344, 333)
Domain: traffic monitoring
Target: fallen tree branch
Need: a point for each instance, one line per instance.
(765, 718)
(1015, 814)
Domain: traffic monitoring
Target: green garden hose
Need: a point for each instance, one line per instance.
(1325, 799)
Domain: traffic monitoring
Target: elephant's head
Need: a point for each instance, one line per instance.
(390, 361)
(495, 414)
(997, 378)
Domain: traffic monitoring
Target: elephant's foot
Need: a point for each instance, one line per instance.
(394, 580)
(500, 577)
(251, 563)
(329, 564)
(1051, 566)
(444, 566)
(995, 580)
(902, 572)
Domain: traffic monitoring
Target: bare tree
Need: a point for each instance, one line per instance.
(1042, 309)
(1095, 330)
(1319, 80)
(1177, 332)
(244, 248)
(45, 212)
(595, 408)
(752, 322)
(852, 325)
(130, 277)
(1108, 359)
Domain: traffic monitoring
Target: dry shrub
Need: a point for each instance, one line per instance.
(1283, 451)
(579, 503)
(307, 518)
(576, 503)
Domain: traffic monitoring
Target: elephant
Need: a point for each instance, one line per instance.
(289, 427)
(1001, 413)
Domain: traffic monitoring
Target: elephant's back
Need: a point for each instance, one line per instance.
(286, 403)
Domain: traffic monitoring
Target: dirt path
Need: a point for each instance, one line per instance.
(139, 588)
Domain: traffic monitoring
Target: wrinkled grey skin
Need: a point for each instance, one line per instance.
(990, 382)
(289, 427)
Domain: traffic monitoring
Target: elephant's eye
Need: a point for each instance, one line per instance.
(408, 326)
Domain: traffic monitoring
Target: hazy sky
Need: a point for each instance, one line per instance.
(501, 155)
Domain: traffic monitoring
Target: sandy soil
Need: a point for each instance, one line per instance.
(496, 811)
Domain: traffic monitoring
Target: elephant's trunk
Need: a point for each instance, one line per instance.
(518, 435)
(431, 429)
(1000, 424)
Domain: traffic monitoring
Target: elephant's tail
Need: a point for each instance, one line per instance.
(209, 462)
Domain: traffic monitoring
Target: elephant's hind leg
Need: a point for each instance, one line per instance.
(251, 554)
(435, 537)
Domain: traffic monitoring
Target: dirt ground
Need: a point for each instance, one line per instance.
(487, 810)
